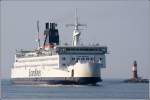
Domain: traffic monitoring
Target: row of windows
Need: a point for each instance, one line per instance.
(83, 49)
(63, 58)
(82, 59)
(34, 60)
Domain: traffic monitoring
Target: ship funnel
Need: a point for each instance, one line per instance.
(51, 35)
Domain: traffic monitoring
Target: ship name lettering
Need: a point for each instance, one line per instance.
(34, 72)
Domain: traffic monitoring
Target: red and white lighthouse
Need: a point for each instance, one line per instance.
(134, 70)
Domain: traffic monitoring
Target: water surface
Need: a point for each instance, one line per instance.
(106, 89)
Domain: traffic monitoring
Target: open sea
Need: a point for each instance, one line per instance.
(108, 89)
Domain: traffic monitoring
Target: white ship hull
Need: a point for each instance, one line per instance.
(80, 73)
(59, 64)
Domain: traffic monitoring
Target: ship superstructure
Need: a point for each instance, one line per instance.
(59, 64)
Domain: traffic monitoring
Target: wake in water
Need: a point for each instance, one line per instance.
(68, 85)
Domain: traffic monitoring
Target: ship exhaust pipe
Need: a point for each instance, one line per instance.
(47, 25)
(51, 36)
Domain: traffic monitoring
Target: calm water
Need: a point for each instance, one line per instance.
(106, 89)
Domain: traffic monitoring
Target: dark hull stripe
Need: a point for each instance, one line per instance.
(57, 80)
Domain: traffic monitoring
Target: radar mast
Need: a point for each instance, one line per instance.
(39, 44)
(76, 33)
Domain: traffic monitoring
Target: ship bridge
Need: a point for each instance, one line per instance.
(81, 49)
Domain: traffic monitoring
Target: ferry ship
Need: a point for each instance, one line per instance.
(53, 63)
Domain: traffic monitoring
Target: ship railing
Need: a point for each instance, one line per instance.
(24, 56)
(36, 53)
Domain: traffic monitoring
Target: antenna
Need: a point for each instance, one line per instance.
(76, 20)
(39, 45)
(76, 33)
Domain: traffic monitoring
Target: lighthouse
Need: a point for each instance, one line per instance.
(135, 78)
(134, 70)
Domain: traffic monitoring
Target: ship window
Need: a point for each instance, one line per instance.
(73, 58)
(100, 59)
(64, 64)
(91, 58)
(82, 58)
(87, 58)
(68, 49)
(63, 58)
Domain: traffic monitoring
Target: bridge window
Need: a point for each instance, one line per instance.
(82, 58)
(63, 58)
(73, 58)
(87, 58)
(100, 59)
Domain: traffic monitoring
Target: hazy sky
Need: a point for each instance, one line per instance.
(123, 26)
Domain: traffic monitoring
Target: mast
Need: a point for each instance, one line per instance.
(39, 45)
(76, 33)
